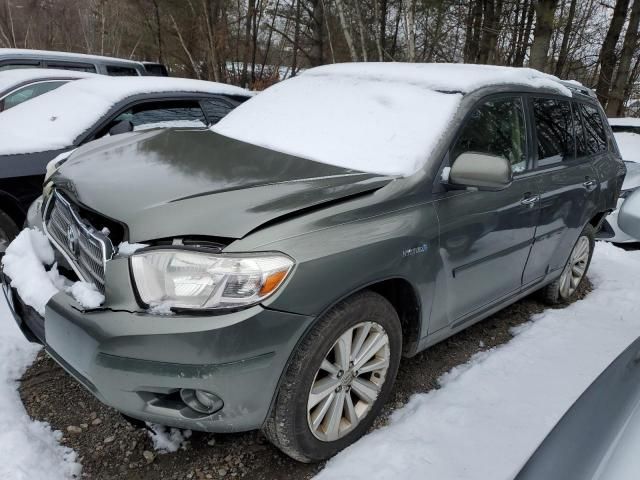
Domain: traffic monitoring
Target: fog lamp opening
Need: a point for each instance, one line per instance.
(201, 401)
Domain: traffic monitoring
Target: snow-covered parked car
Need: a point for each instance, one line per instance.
(270, 273)
(45, 128)
(18, 86)
(627, 133)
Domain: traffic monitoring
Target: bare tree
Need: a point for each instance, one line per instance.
(545, 11)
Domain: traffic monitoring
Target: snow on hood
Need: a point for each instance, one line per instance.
(56, 119)
(383, 118)
(11, 78)
(388, 128)
(629, 145)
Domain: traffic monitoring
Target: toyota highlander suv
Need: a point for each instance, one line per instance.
(270, 272)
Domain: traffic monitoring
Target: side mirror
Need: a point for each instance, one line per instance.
(124, 126)
(481, 170)
(629, 215)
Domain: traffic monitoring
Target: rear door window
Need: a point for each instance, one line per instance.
(554, 130)
(595, 132)
(497, 127)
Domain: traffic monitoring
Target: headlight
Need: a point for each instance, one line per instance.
(177, 278)
(54, 164)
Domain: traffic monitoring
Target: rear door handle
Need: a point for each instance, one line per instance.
(530, 200)
(590, 184)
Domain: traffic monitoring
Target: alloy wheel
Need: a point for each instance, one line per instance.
(576, 267)
(348, 381)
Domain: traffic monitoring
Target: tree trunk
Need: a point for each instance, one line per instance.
(474, 28)
(564, 47)
(545, 11)
(244, 81)
(296, 38)
(346, 31)
(615, 106)
(607, 58)
(524, 45)
(363, 42)
(316, 53)
(410, 27)
(382, 34)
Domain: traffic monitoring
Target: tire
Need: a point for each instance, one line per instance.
(8, 231)
(557, 293)
(289, 424)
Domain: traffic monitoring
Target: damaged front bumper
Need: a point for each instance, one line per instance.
(139, 363)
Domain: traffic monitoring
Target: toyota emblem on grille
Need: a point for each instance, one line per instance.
(73, 239)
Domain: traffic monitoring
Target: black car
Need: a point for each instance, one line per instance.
(34, 133)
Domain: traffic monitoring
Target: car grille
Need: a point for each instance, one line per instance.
(85, 248)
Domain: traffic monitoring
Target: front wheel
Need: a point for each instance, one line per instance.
(338, 380)
(564, 289)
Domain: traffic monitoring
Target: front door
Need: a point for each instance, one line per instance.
(486, 236)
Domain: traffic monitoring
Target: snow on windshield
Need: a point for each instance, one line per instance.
(361, 124)
(56, 119)
(381, 117)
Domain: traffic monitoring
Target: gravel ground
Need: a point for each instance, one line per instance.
(109, 448)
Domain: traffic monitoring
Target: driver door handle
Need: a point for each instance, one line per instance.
(530, 200)
(590, 184)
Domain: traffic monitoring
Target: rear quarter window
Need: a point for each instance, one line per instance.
(595, 132)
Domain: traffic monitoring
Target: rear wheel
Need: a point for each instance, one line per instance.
(338, 380)
(8, 231)
(564, 289)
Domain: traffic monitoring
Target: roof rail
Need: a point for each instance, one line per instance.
(577, 87)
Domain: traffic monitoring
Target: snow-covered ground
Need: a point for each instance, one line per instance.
(484, 422)
(28, 450)
(492, 413)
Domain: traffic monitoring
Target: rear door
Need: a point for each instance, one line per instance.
(569, 185)
(486, 236)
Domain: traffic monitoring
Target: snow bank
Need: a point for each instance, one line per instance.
(29, 450)
(629, 145)
(492, 413)
(25, 263)
(55, 120)
(363, 124)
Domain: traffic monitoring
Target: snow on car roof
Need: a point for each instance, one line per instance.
(385, 118)
(625, 122)
(10, 78)
(54, 120)
(446, 77)
(56, 54)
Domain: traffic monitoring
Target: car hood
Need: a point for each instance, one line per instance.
(168, 183)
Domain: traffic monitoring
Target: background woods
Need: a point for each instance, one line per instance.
(257, 42)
